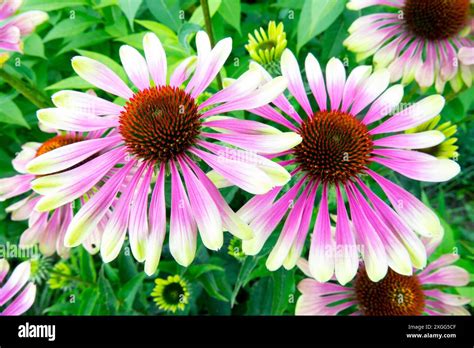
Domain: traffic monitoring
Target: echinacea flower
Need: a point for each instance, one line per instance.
(394, 295)
(17, 293)
(161, 130)
(45, 228)
(426, 40)
(13, 28)
(171, 294)
(266, 47)
(344, 143)
(446, 149)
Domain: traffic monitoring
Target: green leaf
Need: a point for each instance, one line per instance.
(162, 31)
(130, 8)
(198, 16)
(210, 285)
(129, 291)
(86, 266)
(196, 271)
(70, 27)
(74, 82)
(107, 292)
(246, 269)
(317, 16)
(11, 114)
(185, 33)
(230, 10)
(34, 46)
(88, 301)
(51, 5)
(88, 39)
(260, 299)
(166, 11)
(110, 63)
(283, 287)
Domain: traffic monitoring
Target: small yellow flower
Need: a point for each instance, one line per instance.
(171, 294)
(447, 149)
(60, 276)
(267, 47)
(235, 249)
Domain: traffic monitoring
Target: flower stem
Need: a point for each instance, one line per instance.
(208, 22)
(27, 90)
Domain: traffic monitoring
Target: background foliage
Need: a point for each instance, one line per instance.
(220, 282)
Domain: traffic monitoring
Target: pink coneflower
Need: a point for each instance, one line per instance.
(394, 295)
(161, 129)
(17, 293)
(47, 229)
(342, 147)
(421, 40)
(13, 28)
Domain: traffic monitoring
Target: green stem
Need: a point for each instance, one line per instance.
(208, 22)
(26, 89)
(67, 276)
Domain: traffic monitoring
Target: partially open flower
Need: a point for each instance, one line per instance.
(171, 294)
(445, 149)
(266, 47)
(14, 27)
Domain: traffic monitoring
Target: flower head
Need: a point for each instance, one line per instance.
(162, 130)
(446, 149)
(344, 147)
(429, 41)
(13, 28)
(60, 276)
(17, 293)
(171, 294)
(40, 267)
(266, 47)
(47, 228)
(394, 295)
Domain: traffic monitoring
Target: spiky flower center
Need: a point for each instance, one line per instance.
(57, 142)
(394, 295)
(335, 147)
(436, 19)
(173, 293)
(160, 123)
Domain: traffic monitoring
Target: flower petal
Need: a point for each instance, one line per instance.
(135, 66)
(183, 230)
(155, 58)
(100, 76)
